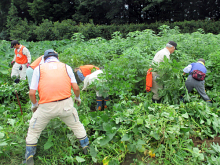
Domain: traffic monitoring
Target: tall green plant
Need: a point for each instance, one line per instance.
(170, 76)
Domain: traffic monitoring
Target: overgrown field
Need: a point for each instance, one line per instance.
(152, 133)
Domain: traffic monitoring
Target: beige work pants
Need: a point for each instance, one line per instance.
(45, 112)
(155, 86)
(16, 72)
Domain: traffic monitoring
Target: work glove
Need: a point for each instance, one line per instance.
(34, 107)
(27, 65)
(77, 100)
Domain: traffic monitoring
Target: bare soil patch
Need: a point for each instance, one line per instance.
(198, 142)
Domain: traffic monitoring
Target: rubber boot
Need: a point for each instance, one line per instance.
(105, 100)
(99, 103)
(84, 142)
(29, 155)
(209, 101)
(182, 99)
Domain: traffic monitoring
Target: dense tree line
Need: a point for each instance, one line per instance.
(17, 13)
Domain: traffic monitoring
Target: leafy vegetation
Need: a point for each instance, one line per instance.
(132, 124)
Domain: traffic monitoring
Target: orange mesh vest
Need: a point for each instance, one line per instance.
(20, 57)
(86, 69)
(54, 82)
(149, 80)
(36, 62)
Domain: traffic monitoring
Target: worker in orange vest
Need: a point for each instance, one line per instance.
(32, 66)
(99, 96)
(53, 80)
(84, 71)
(21, 61)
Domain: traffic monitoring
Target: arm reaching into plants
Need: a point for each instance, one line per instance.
(187, 69)
(33, 100)
(76, 91)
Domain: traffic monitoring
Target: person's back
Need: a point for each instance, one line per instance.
(198, 66)
(55, 83)
(53, 80)
(87, 69)
(84, 71)
(159, 56)
(192, 82)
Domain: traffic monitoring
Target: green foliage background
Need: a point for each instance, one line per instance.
(132, 123)
(48, 30)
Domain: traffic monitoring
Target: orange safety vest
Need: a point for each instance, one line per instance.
(36, 62)
(20, 57)
(54, 82)
(149, 80)
(87, 69)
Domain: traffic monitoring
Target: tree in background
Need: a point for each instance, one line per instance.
(31, 13)
(12, 18)
(53, 10)
(95, 10)
(4, 7)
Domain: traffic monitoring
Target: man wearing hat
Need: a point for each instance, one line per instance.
(21, 61)
(159, 57)
(194, 83)
(53, 80)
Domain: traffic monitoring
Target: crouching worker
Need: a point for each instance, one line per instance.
(196, 78)
(29, 73)
(84, 71)
(99, 98)
(53, 80)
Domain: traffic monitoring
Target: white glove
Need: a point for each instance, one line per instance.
(78, 100)
(34, 107)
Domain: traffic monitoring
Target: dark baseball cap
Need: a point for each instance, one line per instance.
(202, 60)
(50, 52)
(13, 43)
(173, 44)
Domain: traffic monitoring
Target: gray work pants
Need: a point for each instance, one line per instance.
(199, 85)
(155, 86)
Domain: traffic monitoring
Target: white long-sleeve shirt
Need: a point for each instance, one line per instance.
(187, 69)
(90, 78)
(159, 56)
(25, 52)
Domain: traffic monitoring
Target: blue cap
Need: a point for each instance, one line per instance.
(50, 52)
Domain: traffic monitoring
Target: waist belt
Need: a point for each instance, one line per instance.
(60, 100)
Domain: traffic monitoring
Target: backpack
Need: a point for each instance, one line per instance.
(198, 75)
(149, 80)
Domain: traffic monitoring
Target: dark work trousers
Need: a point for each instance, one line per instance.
(199, 85)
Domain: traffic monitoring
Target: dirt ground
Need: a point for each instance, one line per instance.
(198, 142)
(129, 159)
